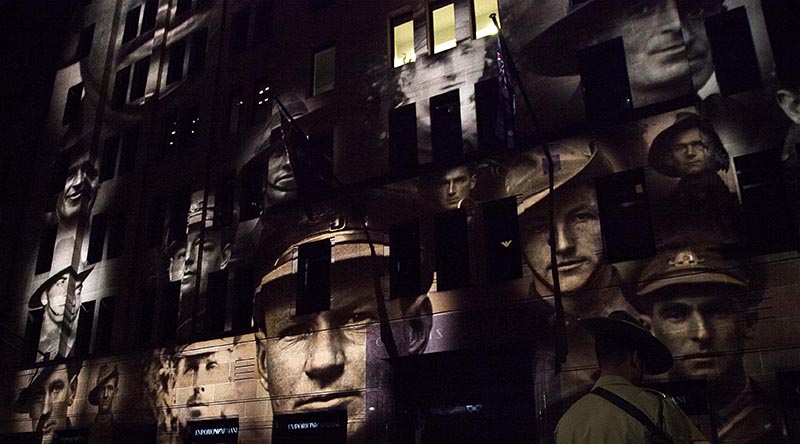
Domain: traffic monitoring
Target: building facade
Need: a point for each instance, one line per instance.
(329, 220)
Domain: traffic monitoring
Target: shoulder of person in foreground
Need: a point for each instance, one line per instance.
(678, 425)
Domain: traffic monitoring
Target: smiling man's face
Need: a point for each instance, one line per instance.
(80, 189)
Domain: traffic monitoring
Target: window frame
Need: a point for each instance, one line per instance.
(434, 6)
(394, 22)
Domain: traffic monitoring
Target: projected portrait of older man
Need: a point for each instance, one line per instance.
(80, 190)
(312, 351)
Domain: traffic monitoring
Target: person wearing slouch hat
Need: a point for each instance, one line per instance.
(103, 393)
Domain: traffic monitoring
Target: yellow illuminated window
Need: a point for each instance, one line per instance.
(324, 69)
(444, 28)
(483, 24)
(403, 35)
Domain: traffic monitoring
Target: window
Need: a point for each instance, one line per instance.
(97, 237)
(501, 231)
(85, 42)
(33, 329)
(443, 27)
(324, 71)
(116, 235)
(604, 79)
(733, 51)
(132, 27)
(72, 108)
(403, 140)
(782, 17)
(108, 163)
(147, 303)
(403, 40)
(121, 87)
(313, 277)
(183, 7)
(84, 333)
(44, 258)
(177, 67)
(105, 322)
(446, 139)
(177, 53)
(139, 82)
(404, 260)
(236, 112)
(452, 250)
(168, 317)
(197, 54)
(243, 299)
(494, 116)
(262, 31)
(239, 31)
(481, 9)
(214, 310)
(127, 157)
(625, 216)
(60, 169)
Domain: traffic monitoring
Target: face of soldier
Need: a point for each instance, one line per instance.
(665, 42)
(51, 398)
(702, 328)
(199, 372)
(578, 238)
(59, 303)
(176, 263)
(80, 190)
(281, 184)
(689, 154)
(215, 257)
(317, 361)
(454, 187)
(107, 394)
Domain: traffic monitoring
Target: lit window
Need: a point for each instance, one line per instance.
(403, 41)
(483, 23)
(324, 68)
(444, 28)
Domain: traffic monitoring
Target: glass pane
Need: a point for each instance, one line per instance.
(404, 43)
(483, 24)
(444, 28)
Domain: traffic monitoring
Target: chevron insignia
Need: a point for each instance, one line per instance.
(506, 243)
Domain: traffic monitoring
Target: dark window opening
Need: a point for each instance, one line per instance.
(236, 112)
(503, 249)
(239, 31)
(139, 83)
(217, 294)
(446, 138)
(116, 235)
(97, 236)
(44, 258)
(168, 317)
(604, 80)
(197, 54)
(782, 17)
(155, 224)
(262, 31)
(183, 7)
(84, 335)
(121, 87)
(313, 277)
(127, 160)
(150, 14)
(494, 115)
(131, 24)
(404, 260)
(105, 326)
(147, 303)
(243, 289)
(403, 157)
(625, 221)
(452, 250)
(72, 109)
(60, 169)
(733, 51)
(33, 330)
(85, 42)
(177, 53)
(108, 163)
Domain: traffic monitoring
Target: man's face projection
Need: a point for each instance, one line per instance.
(689, 153)
(578, 238)
(454, 186)
(51, 398)
(317, 361)
(107, 394)
(281, 183)
(59, 302)
(215, 258)
(703, 328)
(80, 190)
(200, 372)
(665, 44)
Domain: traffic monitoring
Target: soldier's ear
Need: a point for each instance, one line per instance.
(647, 322)
(789, 101)
(226, 256)
(419, 323)
(261, 358)
(43, 298)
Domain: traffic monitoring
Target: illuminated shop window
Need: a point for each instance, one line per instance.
(480, 16)
(313, 277)
(443, 27)
(85, 42)
(324, 70)
(403, 40)
(239, 31)
(72, 107)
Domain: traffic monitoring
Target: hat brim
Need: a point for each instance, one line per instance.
(94, 394)
(36, 298)
(689, 279)
(656, 357)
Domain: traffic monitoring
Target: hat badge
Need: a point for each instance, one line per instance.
(685, 258)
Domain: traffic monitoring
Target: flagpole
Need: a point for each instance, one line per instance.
(561, 337)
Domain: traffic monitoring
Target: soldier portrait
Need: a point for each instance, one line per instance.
(104, 392)
(48, 396)
(80, 191)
